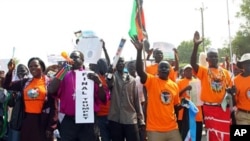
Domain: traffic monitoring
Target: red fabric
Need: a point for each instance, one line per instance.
(217, 123)
(140, 23)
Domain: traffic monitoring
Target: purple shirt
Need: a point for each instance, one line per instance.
(67, 96)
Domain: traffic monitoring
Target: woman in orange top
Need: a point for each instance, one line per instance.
(242, 96)
(40, 108)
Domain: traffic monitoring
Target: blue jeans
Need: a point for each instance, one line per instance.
(102, 122)
(13, 135)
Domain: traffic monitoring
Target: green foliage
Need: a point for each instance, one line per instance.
(223, 52)
(241, 42)
(185, 50)
(245, 13)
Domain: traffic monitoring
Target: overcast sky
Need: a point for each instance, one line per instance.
(41, 27)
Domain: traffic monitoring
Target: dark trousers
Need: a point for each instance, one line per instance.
(143, 135)
(102, 122)
(70, 131)
(198, 130)
(120, 132)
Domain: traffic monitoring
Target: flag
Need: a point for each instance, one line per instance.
(137, 23)
(191, 133)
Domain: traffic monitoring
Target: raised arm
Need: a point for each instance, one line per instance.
(8, 84)
(176, 57)
(227, 67)
(105, 52)
(193, 60)
(150, 52)
(139, 64)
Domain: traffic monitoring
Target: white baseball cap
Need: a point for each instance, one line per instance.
(215, 50)
(187, 66)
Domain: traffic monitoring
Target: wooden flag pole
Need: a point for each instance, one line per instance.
(139, 4)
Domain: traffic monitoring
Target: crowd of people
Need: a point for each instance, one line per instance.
(131, 101)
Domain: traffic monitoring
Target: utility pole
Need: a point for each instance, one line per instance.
(201, 9)
(202, 26)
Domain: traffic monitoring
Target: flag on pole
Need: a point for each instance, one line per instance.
(137, 23)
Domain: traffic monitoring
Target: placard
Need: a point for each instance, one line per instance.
(167, 49)
(91, 47)
(84, 98)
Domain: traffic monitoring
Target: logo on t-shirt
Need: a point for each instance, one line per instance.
(217, 85)
(166, 97)
(33, 93)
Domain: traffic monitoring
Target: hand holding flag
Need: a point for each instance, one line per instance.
(138, 45)
(137, 24)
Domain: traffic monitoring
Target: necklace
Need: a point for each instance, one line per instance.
(217, 81)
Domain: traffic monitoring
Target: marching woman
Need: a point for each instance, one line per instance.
(40, 111)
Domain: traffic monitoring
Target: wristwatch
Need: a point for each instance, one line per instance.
(100, 85)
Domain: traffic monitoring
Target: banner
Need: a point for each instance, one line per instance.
(118, 52)
(91, 47)
(54, 59)
(4, 64)
(84, 98)
(167, 49)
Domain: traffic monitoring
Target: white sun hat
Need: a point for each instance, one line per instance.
(244, 57)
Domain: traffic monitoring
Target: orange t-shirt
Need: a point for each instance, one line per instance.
(153, 69)
(104, 107)
(35, 104)
(242, 96)
(162, 96)
(212, 91)
(183, 83)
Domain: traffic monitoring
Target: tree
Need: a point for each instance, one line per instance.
(223, 53)
(241, 42)
(245, 13)
(185, 49)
